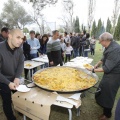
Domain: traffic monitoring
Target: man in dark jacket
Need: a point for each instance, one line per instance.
(75, 42)
(4, 34)
(11, 67)
(110, 82)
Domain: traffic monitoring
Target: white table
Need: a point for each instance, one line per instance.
(33, 65)
(79, 62)
(42, 58)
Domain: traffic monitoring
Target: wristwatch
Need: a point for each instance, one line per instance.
(93, 70)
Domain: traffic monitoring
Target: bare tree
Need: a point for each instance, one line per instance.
(68, 6)
(66, 23)
(91, 10)
(115, 13)
(38, 16)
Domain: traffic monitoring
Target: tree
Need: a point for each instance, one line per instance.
(25, 30)
(68, 7)
(76, 25)
(109, 26)
(115, 14)
(15, 15)
(94, 28)
(99, 28)
(91, 10)
(82, 27)
(38, 7)
(117, 30)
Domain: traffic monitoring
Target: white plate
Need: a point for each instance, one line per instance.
(23, 88)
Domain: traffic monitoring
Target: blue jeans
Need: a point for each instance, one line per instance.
(85, 53)
(75, 52)
(117, 112)
(33, 55)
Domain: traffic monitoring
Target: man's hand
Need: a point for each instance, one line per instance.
(51, 63)
(12, 86)
(90, 69)
(17, 81)
(96, 66)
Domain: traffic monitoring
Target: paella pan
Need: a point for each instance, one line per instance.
(64, 79)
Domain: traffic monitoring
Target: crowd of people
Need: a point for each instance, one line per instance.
(15, 48)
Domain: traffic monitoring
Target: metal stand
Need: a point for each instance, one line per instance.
(70, 114)
(78, 111)
(24, 117)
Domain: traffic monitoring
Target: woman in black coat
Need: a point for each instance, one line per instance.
(110, 82)
(26, 52)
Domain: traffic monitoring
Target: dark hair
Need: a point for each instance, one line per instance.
(87, 35)
(84, 32)
(32, 32)
(65, 33)
(70, 33)
(24, 39)
(41, 42)
(54, 32)
(4, 29)
(37, 35)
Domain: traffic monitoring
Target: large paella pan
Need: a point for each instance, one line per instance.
(64, 79)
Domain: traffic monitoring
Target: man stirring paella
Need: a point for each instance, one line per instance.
(111, 78)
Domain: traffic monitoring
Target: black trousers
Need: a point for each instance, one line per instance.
(5, 93)
(92, 51)
(67, 58)
(107, 112)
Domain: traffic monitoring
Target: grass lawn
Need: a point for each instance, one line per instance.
(89, 109)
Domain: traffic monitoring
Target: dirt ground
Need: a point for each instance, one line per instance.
(89, 110)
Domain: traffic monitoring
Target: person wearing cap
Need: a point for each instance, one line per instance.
(110, 82)
(11, 67)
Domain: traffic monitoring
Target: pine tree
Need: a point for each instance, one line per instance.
(74, 24)
(82, 27)
(117, 30)
(94, 28)
(99, 28)
(77, 25)
(109, 26)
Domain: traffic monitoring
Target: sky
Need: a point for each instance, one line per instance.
(52, 14)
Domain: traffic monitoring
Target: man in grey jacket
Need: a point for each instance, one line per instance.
(110, 82)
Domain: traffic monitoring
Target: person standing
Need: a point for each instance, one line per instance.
(34, 44)
(26, 52)
(80, 45)
(11, 67)
(54, 50)
(75, 45)
(66, 38)
(43, 44)
(4, 34)
(68, 52)
(92, 45)
(63, 46)
(110, 82)
(86, 45)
